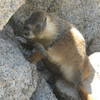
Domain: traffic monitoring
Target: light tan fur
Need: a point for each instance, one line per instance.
(49, 32)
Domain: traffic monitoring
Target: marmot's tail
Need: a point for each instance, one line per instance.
(85, 95)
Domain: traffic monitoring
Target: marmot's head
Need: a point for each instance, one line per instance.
(35, 25)
(38, 26)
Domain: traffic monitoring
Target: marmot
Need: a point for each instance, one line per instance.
(62, 44)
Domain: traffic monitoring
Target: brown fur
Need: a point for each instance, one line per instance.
(68, 49)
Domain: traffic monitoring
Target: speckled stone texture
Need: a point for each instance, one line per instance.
(16, 74)
(43, 92)
(7, 9)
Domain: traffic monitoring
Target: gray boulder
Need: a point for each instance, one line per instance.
(43, 92)
(7, 9)
(18, 78)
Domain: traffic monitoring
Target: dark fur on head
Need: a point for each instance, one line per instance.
(39, 27)
(36, 23)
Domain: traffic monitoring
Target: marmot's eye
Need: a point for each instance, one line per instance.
(26, 34)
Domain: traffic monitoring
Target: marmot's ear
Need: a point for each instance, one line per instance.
(45, 19)
(40, 26)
